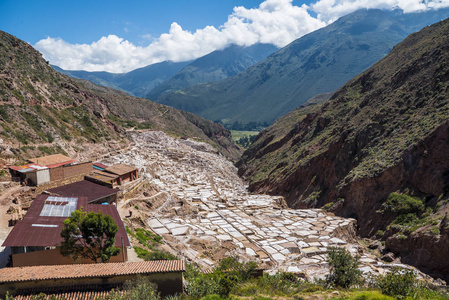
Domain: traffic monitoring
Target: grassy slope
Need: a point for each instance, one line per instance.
(388, 108)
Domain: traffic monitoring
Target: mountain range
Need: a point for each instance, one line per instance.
(154, 80)
(137, 83)
(215, 66)
(376, 151)
(319, 62)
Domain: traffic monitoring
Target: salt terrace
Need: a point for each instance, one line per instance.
(207, 212)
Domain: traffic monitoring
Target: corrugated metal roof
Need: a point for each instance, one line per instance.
(25, 234)
(21, 274)
(50, 159)
(84, 188)
(120, 169)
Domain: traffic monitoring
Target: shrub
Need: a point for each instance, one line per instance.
(343, 267)
(141, 253)
(402, 204)
(159, 255)
(398, 283)
(221, 281)
(370, 295)
(407, 220)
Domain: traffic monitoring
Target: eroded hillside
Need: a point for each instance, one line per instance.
(385, 131)
(42, 110)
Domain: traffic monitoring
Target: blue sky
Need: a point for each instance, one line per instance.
(119, 36)
(86, 21)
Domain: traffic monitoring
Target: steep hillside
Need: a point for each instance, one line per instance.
(42, 110)
(376, 151)
(319, 62)
(137, 82)
(215, 66)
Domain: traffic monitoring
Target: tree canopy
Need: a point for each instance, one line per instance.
(89, 235)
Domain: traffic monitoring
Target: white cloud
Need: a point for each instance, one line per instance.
(330, 10)
(275, 21)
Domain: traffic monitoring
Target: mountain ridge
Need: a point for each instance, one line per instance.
(217, 65)
(136, 83)
(316, 63)
(43, 110)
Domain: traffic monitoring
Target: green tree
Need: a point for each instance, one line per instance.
(344, 268)
(89, 235)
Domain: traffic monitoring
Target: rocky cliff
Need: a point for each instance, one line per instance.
(383, 134)
(43, 111)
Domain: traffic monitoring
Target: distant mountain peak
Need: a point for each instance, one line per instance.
(318, 62)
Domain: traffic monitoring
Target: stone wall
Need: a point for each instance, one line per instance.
(63, 172)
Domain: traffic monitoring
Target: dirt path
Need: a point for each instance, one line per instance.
(5, 203)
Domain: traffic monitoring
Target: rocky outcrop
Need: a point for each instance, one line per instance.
(427, 251)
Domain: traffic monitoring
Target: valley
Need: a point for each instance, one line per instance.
(359, 163)
(194, 199)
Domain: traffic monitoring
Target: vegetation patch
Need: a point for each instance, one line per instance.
(402, 204)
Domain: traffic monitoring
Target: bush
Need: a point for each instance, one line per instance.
(159, 255)
(141, 253)
(402, 204)
(399, 283)
(370, 295)
(407, 220)
(221, 281)
(343, 267)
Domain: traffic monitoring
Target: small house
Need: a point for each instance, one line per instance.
(124, 172)
(89, 281)
(31, 174)
(49, 169)
(103, 178)
(34, 240)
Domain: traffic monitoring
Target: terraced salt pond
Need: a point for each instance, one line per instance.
(207, 213)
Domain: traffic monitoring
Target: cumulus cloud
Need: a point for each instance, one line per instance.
(330, 10)
(278, 22)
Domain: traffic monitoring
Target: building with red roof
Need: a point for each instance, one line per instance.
(34, 240)
(89, 281)
(50, 168)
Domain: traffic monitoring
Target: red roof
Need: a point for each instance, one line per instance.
(34, 273)
(78, 292)
(37, 230)
(84, 188)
